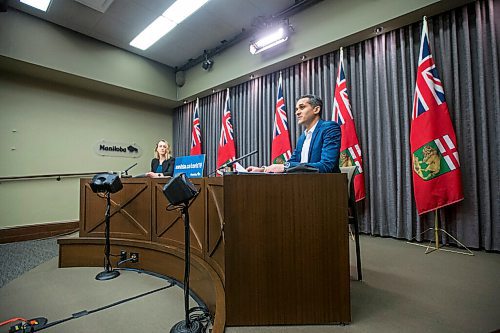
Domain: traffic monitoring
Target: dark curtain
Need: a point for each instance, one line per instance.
(381, 81)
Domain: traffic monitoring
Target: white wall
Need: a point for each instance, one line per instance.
(56, 128)
(38, 42)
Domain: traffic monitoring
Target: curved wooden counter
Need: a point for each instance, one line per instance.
(154, 257)
(140, 223)
(265, 249)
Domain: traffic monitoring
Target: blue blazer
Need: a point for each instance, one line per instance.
(324, 149)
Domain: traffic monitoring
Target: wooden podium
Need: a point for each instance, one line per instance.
(265, 250)
(286, 249)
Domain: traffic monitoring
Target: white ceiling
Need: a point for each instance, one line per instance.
(216, 21)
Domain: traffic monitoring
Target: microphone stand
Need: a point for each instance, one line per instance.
(108, 272)
(186, 325)
(230, 163)
(124, 173)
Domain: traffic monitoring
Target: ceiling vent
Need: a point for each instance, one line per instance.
(99, 5)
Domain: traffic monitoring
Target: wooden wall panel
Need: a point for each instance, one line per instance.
(130, 210)
(37, 231)
(168, 226)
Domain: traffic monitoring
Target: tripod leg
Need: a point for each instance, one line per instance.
(459, 242)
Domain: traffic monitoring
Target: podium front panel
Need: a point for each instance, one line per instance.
(286, 249)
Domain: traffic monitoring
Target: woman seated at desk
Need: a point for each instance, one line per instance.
(163, 163)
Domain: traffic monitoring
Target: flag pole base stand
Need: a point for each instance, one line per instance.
(351, 233)
(437, 247)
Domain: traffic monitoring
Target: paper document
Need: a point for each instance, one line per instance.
(239, 167)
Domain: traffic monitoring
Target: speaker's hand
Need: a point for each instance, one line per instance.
(255, 169)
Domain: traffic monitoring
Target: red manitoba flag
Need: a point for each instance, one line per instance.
(436, 167)
(281, 149)
(227, 148)
(196, 131)
(350, 151)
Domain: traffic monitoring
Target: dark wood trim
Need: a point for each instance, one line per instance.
(37, 231)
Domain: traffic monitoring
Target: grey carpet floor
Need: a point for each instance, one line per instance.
(18, 258)
(55, 293)
(404, 290)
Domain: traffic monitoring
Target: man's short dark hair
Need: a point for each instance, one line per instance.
(314, 101)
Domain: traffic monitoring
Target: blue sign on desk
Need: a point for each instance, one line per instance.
(192, 166)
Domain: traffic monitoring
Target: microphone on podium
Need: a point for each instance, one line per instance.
(124, 173)
(230, 163)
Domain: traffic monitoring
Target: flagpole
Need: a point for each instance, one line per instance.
(437, 247)
(430, 106)
(436, 224)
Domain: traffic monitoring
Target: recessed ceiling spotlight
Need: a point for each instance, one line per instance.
(303, 58)
(378, 30)
(252, 76)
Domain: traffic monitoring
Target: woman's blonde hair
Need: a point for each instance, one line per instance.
(168, 152)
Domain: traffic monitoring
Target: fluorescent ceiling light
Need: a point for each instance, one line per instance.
(152, 33)
(38, 4)
(269, 40)
(174, 15)
(182, 9)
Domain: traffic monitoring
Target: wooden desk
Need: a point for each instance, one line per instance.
(266, 249)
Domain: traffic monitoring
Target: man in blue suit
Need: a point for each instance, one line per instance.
(318, 146)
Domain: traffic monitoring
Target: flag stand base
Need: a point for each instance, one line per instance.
(351, 233)
(437, 246)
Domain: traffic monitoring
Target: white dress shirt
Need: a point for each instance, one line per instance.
(304, 154)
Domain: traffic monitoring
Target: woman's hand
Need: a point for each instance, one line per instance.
(154, 175)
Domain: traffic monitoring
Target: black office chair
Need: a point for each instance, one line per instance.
(353, 214)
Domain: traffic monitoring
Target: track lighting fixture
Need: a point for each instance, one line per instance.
(207, 63)
(270, 36)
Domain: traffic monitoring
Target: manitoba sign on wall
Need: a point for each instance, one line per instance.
(117, 149)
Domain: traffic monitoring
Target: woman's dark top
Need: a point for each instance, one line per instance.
(167, 166)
